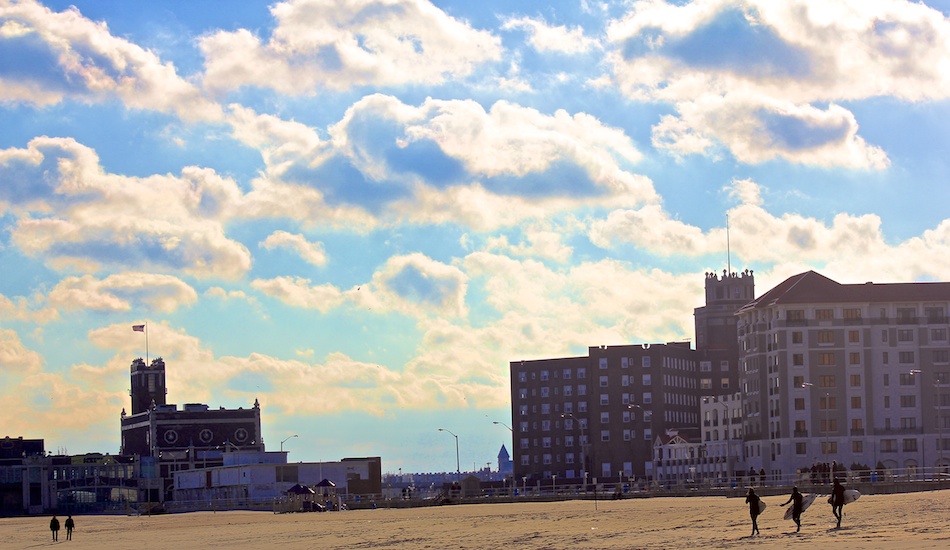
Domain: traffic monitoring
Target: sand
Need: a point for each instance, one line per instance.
(905, 521)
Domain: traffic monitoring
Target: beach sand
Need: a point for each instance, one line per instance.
(905, 521)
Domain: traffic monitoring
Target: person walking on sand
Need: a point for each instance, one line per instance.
(837, 501)
(753, 500)
(796, 498)
(70, 524)
(54, 527)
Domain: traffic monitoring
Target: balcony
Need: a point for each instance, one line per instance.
(800, 433)
(857, 431)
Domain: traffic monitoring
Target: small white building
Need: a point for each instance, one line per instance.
(267, 475)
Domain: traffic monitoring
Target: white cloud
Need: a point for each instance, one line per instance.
(312, 253)
(85, 61)
(75, 215)
(298, 292)
(339, 44)
(757, 90)
(546, 38)
(123, 291)
(484, 168)
(15, 358)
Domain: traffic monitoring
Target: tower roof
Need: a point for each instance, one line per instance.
(503, 453)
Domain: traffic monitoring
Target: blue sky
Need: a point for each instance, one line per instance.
(359, 212)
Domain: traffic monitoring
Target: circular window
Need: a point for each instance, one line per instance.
(240, 435)
(205, 435)
(171, 436)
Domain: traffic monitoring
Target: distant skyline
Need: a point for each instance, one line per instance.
(360, 212)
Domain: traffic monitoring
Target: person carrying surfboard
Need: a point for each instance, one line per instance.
(753, 500)
(837, 501)
(796, 507)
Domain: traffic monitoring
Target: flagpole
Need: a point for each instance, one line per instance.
(146, 344)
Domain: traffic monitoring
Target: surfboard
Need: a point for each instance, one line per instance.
(806, 502)
(850, 495)
(761, 506)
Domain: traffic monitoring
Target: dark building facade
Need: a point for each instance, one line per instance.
(598, 416)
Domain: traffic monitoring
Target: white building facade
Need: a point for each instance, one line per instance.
(857, 374)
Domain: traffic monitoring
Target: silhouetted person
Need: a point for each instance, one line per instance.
(753, 500)
(837, 501)
(796, 507)
(54, 527)
(70, 524)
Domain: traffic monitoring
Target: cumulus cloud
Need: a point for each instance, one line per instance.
(64, 55)
(298, 292)
(15, 358)
(547, 38)
(312, 253)
(387, 161)
(73, 214)
(122, 292)
(759, 90)
(339, 44)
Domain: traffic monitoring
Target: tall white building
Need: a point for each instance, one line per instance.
(853, 373)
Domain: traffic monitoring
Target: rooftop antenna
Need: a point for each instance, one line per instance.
(728, 249)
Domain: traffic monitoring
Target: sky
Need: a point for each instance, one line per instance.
(358, 212)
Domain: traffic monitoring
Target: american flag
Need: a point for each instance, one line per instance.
(138, 328)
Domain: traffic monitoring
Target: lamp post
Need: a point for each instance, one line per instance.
(923, 446)
(458, 467)
(284, 441)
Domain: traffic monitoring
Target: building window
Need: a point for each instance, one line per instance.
(523, 410)
(905, 357)
(724, 366)
(907, 379)
(908, 401)
(938, 334)
(566, 374)
(910, 445)
(935, 315)
(545, 391)
(604, 399)
(546, 442)
(646, 380)
(857, 446)
(624, 362)
(647, 398)
(908, 423)
(798, 381)
(829, 447)
(724, 383)
(885, 358)
(855, 401)
(524, 442)
(545, 408)
(797, 337)
(605, 435)
(798, 359)
(855, 380)
(941, 356)
(705, 366)
(824, 314)
(522, 376)
(603, 381)
(646, 361)
(826, 381)
(581, 406)
(826, 359)
(582, 389)
(854, 358)
(852, 314)
(801, 449)
(705, 383)
(828, 425)
(581, 373)
(888, 445)
(795, 315)
(625, 380)
(826, 337)
(544, 376)
(854, 336)
(799, 403)
(827, 403)
(905, 335)
(568, 391)
(906, 315)
(603, 363)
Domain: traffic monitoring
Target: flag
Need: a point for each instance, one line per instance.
(138, 328)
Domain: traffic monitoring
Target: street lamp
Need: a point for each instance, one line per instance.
(503, 424)
(458, 467)
(284, 441)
